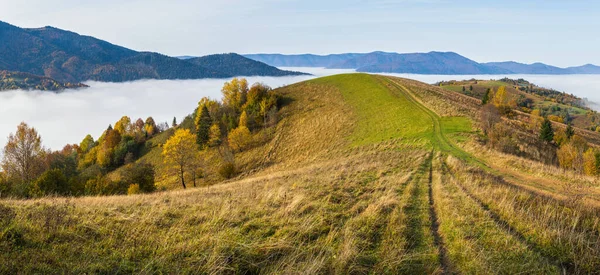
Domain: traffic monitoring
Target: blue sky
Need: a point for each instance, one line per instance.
(563, 33)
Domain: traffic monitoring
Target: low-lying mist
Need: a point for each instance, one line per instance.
(66, 117)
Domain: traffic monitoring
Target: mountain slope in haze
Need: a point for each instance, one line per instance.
(69, 57)
(26, 81)
(235, 64)
(418, 63)
(302, 60)
(535, 68)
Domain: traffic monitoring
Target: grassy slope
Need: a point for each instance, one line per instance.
(357, 178)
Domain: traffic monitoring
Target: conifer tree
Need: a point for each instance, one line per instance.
(546, 131)
(569, 132)
(203, 123)
(486, 97)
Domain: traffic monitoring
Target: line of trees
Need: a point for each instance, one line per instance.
(227, 127)
(30, 170)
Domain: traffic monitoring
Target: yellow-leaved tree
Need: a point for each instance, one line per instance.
(500, 98)
(535, 119)
(589, 162)
(180, 152)
(235, 93)
(239, 138)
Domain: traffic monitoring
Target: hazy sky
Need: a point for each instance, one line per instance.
(561, 32)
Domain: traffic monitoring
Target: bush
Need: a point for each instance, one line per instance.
(227, 170)
(6, 215)
(51, 182)
(134, 189)
(141, 174)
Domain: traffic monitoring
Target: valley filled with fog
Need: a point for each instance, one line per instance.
(66, 117)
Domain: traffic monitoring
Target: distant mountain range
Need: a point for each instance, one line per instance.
(444, 63)
(70, 58)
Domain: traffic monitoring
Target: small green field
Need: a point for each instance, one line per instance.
(381, 115)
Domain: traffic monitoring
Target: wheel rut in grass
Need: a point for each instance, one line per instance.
(565, 267)
(435, 225)
(423, 243)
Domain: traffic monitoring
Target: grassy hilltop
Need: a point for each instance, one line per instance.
(364, 174)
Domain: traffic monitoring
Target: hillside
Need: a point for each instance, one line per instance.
(445, 63)
(25, 81)
(362, 174)
(235, 64)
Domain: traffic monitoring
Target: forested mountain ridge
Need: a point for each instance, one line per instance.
(69, 57)
(235, 64)
(26, 81)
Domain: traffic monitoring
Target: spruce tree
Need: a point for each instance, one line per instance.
(486, 97)
(203, 123)
(569, 132)
(546, 131)
(174, 124)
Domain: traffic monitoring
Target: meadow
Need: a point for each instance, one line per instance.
(364, 174)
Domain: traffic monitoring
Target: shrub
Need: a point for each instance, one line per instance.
(140, 174)
(6, 215)
(49, 183)
(134, 189)
(227, 170)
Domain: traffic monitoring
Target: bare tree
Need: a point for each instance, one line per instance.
(23, 155)
(488, 117)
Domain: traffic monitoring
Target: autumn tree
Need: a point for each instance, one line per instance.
(239, 138)
(567, 155)
(139, 125)
(589, 162)
(500, 97)
(23, 155)
(243, 120)
(203, 123)
(535, 119)
(150, 127)
(215, 135)
(87, 144)
(235, 93)
(546, 131)
(179, 151)
(124, 126)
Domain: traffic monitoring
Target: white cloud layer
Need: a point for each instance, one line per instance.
(63, 118)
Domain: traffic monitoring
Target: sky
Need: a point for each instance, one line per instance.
(562, 33)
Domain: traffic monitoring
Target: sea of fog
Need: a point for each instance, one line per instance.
(66, 117)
